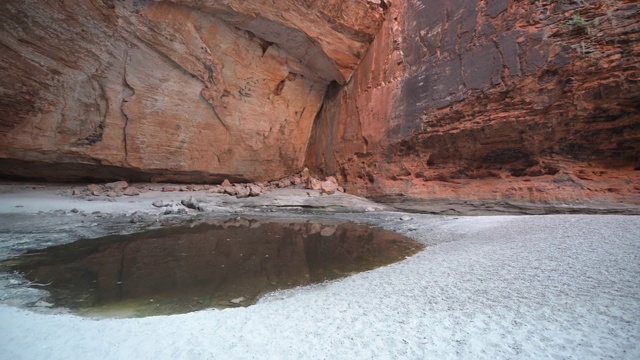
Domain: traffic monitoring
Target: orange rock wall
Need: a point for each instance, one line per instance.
(176, 90)
(534, 100)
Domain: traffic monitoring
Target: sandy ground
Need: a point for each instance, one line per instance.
(493, 287)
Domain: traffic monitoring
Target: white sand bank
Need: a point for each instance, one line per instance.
(547, 287)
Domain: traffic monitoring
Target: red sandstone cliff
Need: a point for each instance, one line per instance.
(536, 100)
(495, 99)
(179, 90)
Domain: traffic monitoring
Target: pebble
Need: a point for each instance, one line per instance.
(43, 304)
(160, 203)
(237, 300)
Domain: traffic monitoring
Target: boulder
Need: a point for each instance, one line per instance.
(242, 192)
(131, 191)
(118, 185)
(313, 183)
(255, 190)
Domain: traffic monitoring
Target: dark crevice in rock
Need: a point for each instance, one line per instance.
(91, 172)
(322, 131)
(278, 90)
(128, 92)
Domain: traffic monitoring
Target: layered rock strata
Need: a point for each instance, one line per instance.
(179, 90)
(492, 99)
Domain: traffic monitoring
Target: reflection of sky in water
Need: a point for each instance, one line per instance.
(186, 269)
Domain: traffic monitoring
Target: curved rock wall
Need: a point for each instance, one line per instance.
(178, 90)
(535, 100)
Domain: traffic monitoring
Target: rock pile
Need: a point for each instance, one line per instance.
(112, 189)
(302, 179)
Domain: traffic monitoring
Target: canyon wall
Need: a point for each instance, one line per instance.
(179, 90)
(491, 99)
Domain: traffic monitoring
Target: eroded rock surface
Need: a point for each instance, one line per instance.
(535, 100)
(492, 99)
(177, 90)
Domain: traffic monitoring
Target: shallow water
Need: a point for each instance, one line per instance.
(231, 263)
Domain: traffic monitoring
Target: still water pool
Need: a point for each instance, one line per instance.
(225, 264)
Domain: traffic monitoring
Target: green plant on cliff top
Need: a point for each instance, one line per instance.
(577, 23)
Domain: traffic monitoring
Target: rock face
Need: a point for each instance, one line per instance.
(535, 100)
(179, 90)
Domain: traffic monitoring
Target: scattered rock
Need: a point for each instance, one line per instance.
(117, 185)
(191, 203)
(313, 183)
(285, 182)
(75, 211)
(216, 189)
(225, 183)
(230, 190)
(237, 300)
(242, 192)
(131, 191)
(328, 187)
(43, 304)
(160, 203)
(93, 188)
(255, 190)
(304, 174)
(406, 218)
(169, 188)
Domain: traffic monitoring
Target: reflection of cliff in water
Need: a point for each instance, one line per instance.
(186, 269)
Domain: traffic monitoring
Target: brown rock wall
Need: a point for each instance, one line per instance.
(493, 99)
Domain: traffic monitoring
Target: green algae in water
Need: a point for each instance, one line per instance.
(185, 269)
